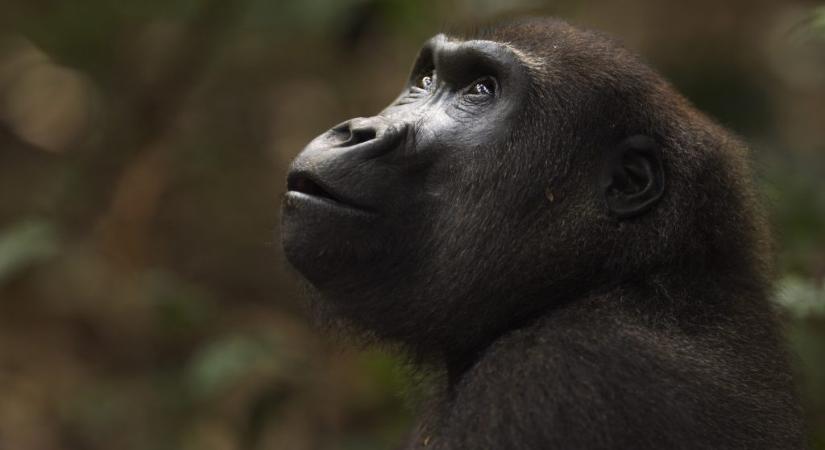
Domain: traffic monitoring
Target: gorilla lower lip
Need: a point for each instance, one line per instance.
(299, 202)
(301, 188)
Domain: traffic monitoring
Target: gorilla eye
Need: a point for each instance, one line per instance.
(426, 81)
(485, 87)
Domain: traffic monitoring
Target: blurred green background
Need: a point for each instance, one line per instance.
(144, 300)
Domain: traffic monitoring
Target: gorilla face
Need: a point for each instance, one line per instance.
(365, 197)
(456, 204)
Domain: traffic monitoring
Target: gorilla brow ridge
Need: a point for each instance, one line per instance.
(532, 62)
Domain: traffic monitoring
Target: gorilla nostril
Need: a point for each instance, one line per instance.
(353, 132)
(359, 135)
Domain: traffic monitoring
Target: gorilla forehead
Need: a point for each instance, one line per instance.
(542, 37)
(572, 59)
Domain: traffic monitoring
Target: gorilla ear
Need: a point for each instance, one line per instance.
(633, 179)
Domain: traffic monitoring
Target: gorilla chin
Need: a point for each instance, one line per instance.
(308, 221)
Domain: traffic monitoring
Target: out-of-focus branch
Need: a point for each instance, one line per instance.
(142, 116)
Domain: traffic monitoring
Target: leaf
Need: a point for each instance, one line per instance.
(802, 298)
(24, 245)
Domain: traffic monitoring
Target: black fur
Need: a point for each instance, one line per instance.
(583, 254)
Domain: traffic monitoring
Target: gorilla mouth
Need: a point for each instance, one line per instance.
(303, 184)
(306, 185)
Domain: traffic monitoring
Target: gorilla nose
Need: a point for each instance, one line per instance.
(356, 131)
(375, 135)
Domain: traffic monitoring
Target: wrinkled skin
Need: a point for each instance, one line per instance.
(543, 217)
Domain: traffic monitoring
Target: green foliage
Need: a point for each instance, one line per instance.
(801, 297)
(228, 360)
(179, 307)
(24, 245)
(818, 19)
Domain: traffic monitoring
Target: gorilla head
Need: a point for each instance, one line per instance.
(545, 217)
(518, 170)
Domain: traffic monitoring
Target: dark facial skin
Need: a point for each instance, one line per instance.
(543, 219)
(374, 183)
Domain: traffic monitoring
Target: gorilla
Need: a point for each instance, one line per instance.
(540, 218)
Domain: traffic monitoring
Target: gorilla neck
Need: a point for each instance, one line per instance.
(678, 299)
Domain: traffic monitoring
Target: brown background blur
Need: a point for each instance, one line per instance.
(144, 300)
